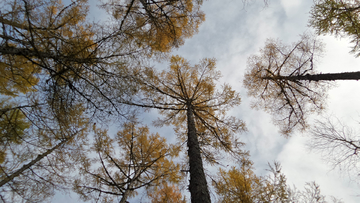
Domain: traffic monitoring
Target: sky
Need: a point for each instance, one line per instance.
(231, 33)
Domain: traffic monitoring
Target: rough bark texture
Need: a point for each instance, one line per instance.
(198, 185)
(322, 76)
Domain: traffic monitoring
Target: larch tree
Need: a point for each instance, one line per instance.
(138, 159)
(310, 193)
(160, 25)
(237, 184)
(241, 184)
(166, 193)
(338, 143)
(338, 17)
(54, 42)
(284, 78)
(270, 79)
(187, 97)
(56, 67)
(39, 163)
(285, 82)
(41, 137)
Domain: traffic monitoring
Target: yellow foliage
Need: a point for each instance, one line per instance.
(159, 25)
(340, 18)
(13, 124)
(134, 158)
(17, 75)
(166, 194)
(183, 86)
(241, 184)
(271, 79)
(237, 185)
(57, 42)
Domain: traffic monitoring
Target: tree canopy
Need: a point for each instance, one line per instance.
(272, 78)
(241, 184)
(138, 159)
(60, 72)
(338, 17)
(187, 97)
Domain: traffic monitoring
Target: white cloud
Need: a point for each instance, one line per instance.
(300, 166)
(291, 6)
(231, 34)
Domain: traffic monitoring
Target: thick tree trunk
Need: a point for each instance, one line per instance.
(322, 76)
(198, 185)
(130, 187)
(125, 196)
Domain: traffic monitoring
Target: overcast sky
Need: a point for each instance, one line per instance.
(231, 33)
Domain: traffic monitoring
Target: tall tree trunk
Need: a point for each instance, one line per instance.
(198, 185)
(322, 76)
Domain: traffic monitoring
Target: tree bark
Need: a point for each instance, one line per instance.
(33, 162)
(129, 187)
(321, 76)
(125, 195)
(4, 50)
(198, 185)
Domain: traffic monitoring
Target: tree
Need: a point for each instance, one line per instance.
(285, 82)
(158, 24)
(187, 97)
(43, 157)
(338, 17)
(88, 59)
(241, 184)
(167, 193)
(13, 125)
(55, 64)
(338, 143)
(237, 184)
(289, 100)
(138, 160)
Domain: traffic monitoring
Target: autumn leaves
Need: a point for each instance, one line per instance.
(272, 78)
(119, 166)
(60, 73)
(187, 97)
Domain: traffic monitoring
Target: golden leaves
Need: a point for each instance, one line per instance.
(340, 18)
(241, 184)
(18, 75)
(237, 185)
(272, 77)
(13, 124)
(160, 25)
(167, 193)
(134, 158)
(181, 86)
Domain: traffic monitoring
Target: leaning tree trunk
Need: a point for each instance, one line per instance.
(198, 186)
(33, 162)
(323, 76)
